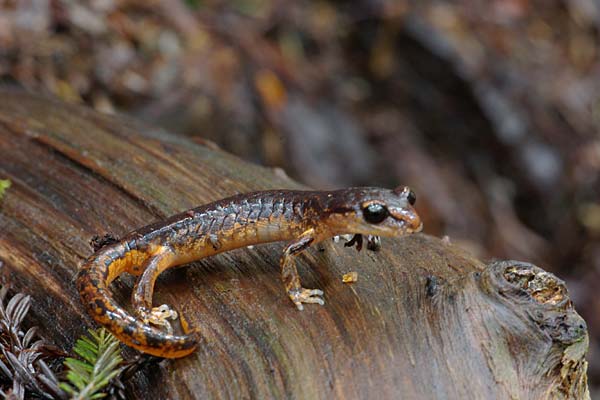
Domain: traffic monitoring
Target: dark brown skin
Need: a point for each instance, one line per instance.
(301, 217)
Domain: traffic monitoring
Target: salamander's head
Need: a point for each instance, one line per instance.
(373, 211)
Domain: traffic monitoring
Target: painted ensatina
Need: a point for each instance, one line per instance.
(301, 217)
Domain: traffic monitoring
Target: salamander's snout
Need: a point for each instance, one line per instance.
(405, 212)
(408, 218)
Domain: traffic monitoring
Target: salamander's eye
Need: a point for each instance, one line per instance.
(411, 197)
(375, 213)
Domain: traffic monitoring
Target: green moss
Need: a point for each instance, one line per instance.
(4, 185)
(193, 4)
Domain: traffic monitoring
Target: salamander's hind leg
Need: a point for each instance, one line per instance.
(144, 290)
(289, 273)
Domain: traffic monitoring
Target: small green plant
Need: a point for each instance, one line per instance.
(4, 185)
(193, 4)
(100, 362)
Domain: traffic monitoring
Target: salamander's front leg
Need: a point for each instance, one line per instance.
(144, 290)
(373, 242)
(289, 273)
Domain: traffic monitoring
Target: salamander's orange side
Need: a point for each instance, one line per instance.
(93, 280)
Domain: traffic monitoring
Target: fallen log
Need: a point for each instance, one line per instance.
(424, 320)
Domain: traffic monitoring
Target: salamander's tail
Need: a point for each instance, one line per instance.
(92, 283)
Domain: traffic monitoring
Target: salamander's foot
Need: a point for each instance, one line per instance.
(373, 243)
(357, 240)
(159, 315)
(302, 295)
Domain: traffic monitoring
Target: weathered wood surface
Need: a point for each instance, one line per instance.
(425, 320)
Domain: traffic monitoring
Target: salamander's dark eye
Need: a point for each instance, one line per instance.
(375, 213)
(411, 197)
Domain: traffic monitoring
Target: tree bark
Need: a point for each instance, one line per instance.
(424, 320)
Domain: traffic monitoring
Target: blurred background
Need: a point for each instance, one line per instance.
(489, 109)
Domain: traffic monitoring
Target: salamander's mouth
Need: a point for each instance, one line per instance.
(411, 228)
(408, 227)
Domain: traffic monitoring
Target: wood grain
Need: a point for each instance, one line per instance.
(424, 320)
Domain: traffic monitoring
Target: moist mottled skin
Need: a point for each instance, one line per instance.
(301, 217)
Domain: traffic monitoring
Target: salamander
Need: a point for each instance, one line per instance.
(303, 218)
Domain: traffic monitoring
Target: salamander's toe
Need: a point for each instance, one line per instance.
(306, 296)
